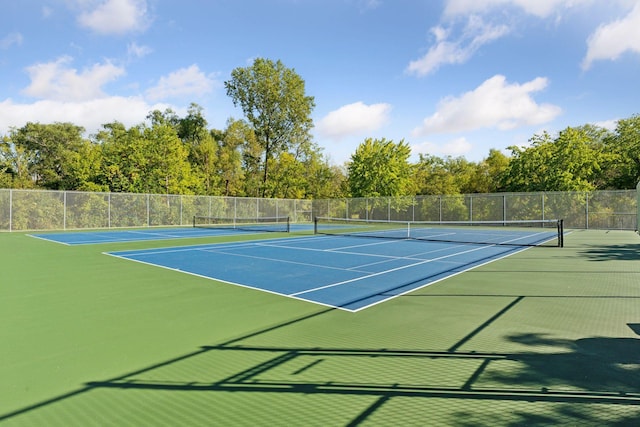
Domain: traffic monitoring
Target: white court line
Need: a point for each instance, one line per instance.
(297, 295)
(215, 279)
(355, 268)
(389, 271)
(202, 247)
(398, 268)
(387, 258)
(508, 254)
(307, 264)
(48, 240)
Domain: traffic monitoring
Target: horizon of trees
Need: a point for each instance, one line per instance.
(168, 154)
(271, 154)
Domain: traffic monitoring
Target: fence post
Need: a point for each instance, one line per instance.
(413, 209)
(504, 207)
(586, 210)
(64, 210)
(109, 210)
(10, 209)
(638, 207)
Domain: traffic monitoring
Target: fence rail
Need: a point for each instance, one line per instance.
(22, 210)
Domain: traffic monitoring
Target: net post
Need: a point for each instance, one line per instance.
(561, 233)
(288, 224)
(315, 225)
(194, 221)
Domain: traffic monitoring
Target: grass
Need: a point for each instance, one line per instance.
(547, 336)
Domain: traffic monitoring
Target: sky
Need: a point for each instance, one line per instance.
(449, 77)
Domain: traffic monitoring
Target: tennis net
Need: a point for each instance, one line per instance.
(272, 224)
(512, 233)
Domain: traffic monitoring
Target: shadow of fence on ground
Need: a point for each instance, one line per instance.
(592, 380)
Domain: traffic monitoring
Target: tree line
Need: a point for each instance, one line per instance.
(271, 153)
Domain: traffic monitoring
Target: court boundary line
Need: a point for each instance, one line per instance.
(230, 245)
(228, 282)
(121, 240)
(508, 254)
(393, 270)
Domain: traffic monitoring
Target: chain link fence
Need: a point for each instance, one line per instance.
(596, 210)
(22, 210)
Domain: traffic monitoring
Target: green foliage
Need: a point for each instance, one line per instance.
(624, 144)
(146, 159)
(274, 102)
(448, 175)
(48, 150)
(380, 168)
(489, 173)
(14, 166)
(271, 153)
(570, 162)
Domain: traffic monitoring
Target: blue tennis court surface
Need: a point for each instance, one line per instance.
(113, 236)
(350, 273)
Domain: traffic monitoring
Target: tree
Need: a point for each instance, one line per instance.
(273, 100)
(48, 148)
(167, 169)
(146, 159)
(570, 162)
(193, 127)
(322, 181)
(14, 166)
(124, 159)
(85, 168)
(202, 147)
(230, 148)
(624, 144)
(436, 176)
(489, 173)
(380, 168)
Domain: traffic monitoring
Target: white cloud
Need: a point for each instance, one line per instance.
(90, 114)
(366, 5)
(539, 8)
(47, 12)
(608, 124)
(116, 17)
(502, 18)
(475, 34)
(57, 81)
(11, 39)
(352, 119)
(456, 147)
(68, 95)
(493, 104)
(136, 51)
(610, 41)
(189, 81)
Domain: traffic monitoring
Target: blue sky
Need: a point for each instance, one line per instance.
(450, 77)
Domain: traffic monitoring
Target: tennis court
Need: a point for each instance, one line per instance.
(351, 273)
(225, 227)
(515, 335)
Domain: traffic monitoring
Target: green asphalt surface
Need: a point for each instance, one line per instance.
(546, 336)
